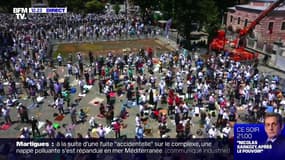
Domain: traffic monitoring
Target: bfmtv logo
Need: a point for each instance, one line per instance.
(20, 12)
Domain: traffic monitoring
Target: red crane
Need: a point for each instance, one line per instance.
(239, 53)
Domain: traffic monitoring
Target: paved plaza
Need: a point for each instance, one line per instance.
(90, 104)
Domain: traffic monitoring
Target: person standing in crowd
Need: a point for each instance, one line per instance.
(6, 114)
(213, 132)
(35, 129)
(109, 116)
(59, 59)
(117, 128)
(76, 72)
(101, 132)
(139, 132)
(2, 91)
(49, 129)
(51, 87)
(187, 127)
(73, 115)
(25, 133)
(23, 113)
(59, 104)
(92, 123)
(226, 131)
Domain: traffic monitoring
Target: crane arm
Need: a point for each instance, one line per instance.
(264, 13)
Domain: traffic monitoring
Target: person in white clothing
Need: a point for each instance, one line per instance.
(226, 131)
(138, 120)
(59, 59)
(212, 132)
(81, 86)
(92, 122)
(101, 132)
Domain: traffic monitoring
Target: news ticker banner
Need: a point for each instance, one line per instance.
(185, 149)
(22, 12)
(250, 142)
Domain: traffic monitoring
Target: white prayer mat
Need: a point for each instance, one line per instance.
(41, 124)
(7, 83)
(61, 80)
(81, 95)
(88, 87)
(40, 99)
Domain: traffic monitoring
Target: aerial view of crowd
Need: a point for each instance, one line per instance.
(177, 93)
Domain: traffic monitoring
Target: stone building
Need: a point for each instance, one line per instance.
(270, 29)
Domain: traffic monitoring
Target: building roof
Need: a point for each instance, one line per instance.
(259, 8)
(39, 5)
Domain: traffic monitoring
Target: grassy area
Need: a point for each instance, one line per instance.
(115, 47)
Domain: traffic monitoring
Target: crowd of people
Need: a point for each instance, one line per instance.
(186, 86)
(27, 64)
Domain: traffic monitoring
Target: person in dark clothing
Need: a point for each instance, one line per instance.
(265, 59)
(66, 84)
(162, 129)
(73, 115)
(100, 86)
(86, 74)
(91, 58)
(35, 128)
(51, 87)
(137, 95)
(2, 91)
(82, 115)
(102, 109)
(129, 95)
(23, 113)
(177, 118)
(79, 136)
(151, 101)
(109, 117)
(59, 135)
(81, 67)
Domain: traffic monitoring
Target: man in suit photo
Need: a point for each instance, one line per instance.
(273, 125)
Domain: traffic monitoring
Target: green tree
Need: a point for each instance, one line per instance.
(146, 7)
(75, 5)
(210, 17)
(94, 6)
(186, 14)
(116, 8)
(224, 4)
(156, 16)
(191, 15)
(167, 9)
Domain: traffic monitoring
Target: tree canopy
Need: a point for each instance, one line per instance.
(116, 8)
(188, 15)
(192, 15)
(94, 6)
